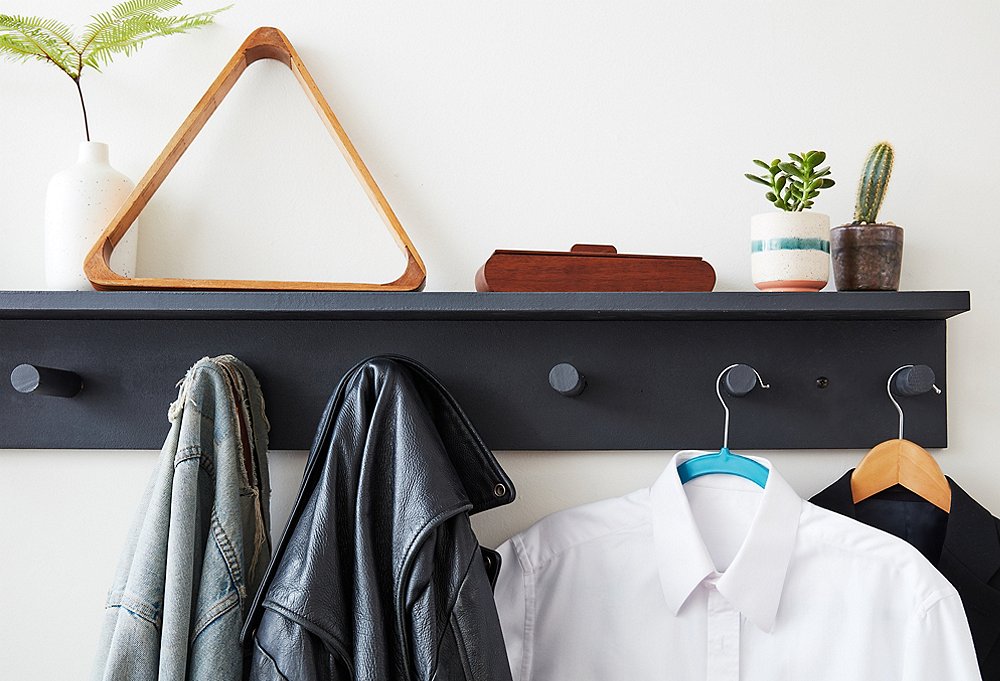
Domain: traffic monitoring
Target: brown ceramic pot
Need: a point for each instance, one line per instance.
(867, 257)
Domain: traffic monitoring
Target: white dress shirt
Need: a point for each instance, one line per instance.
(720, 580)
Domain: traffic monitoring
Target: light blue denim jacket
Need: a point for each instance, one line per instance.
(199, 545)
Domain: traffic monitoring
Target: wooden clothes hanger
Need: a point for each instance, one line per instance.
(263, 43)
(901, 462)
(724, 462)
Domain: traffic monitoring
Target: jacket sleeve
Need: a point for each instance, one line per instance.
(284, 650)
(511, 595)
(939, 645)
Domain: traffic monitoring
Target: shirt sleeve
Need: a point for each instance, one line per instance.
(939, 644)
(511, 599)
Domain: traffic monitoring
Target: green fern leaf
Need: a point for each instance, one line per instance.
(15, 49)
(56, 28)
(105, 21)
(24, 38)
(131, 8)
(128, 34)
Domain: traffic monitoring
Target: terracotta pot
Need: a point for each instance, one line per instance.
(867, 257)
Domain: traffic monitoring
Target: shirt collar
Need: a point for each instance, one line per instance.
(754, 581)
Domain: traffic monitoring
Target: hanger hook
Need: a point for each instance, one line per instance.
(888, 389)
(718, 392)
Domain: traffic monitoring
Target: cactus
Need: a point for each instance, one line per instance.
(874, 182)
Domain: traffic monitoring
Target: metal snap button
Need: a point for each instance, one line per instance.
(499, 490)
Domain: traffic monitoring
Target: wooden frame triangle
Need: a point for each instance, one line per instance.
(263, 43)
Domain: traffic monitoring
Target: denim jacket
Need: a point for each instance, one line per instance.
(199, 545)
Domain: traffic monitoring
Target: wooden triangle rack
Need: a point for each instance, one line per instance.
(263, 43)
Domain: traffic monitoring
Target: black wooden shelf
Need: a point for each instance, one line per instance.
(321, 305)
(650, 365)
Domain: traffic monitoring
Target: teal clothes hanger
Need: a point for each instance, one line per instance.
(724, 462)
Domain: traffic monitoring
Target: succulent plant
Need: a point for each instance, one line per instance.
(873, 184)
(793, 185)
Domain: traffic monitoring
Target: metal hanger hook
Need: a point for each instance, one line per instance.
(888, 389)
(718, 392)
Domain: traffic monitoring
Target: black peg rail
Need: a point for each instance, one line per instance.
(647, 363)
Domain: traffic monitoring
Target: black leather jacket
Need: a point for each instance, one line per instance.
(378, 576)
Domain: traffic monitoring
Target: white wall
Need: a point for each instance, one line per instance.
(488, 125)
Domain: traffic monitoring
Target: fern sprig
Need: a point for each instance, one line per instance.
(25, 38)
(127, 35)
(121, 30)
(105, 21)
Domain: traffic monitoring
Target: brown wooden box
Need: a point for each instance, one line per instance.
(592, 267)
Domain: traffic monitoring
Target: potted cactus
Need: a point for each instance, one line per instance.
(790, 247)
(867, 254)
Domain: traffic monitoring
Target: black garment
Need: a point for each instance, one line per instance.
(379, 576)
(964, 545)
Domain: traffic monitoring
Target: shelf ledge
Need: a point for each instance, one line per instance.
(447, 306)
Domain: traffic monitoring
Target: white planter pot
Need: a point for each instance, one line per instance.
(79, 205)
(790, 251)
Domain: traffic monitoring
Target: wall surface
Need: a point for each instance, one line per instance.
(490, 125)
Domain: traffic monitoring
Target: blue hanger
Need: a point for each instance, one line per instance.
(724, 462)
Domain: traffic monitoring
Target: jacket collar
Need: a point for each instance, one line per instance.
(971, 536)
(754, 582)
(484, 483)
(483, 480)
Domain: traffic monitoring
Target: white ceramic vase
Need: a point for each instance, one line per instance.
(790, 251)
(79, 205)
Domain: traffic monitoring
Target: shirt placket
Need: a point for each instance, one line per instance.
(723, 636)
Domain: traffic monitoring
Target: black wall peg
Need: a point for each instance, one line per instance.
(914, 380)
(36, 380)
(566, 380)
(740, 380)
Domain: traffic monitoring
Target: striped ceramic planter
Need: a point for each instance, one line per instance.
(790, 251)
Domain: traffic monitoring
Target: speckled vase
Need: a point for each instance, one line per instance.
(790, 251)
(79, 205)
